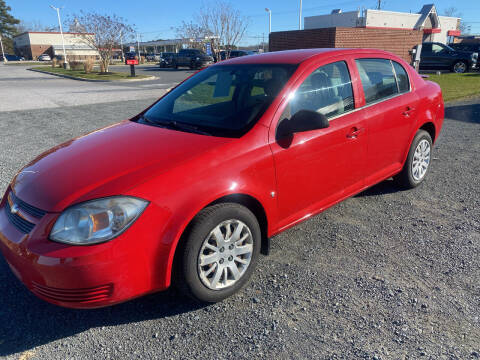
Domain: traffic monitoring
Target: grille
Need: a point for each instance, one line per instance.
(19, 222)
(86, 295)
(32, 210)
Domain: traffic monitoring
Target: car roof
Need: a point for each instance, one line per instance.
(299, 56)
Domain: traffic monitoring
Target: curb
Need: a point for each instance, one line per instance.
(90, 80)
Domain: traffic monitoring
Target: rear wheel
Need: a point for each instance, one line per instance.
(418, 160)
(460, 67)
(219, 252)
(175, 65)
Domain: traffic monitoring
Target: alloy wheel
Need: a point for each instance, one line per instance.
(225, 254)
(421, 160)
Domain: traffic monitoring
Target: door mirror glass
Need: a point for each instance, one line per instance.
(301, 121)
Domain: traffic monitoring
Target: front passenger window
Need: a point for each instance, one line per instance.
(327, 90)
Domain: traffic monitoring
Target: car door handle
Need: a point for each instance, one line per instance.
(407, 111)
(354, 132)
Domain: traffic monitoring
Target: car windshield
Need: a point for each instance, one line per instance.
(222, 100)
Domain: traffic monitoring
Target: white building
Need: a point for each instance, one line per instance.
(32, 44)
(435, 28)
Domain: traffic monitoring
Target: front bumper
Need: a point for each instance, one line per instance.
(81, 276)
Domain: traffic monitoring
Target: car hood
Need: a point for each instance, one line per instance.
(106, 162)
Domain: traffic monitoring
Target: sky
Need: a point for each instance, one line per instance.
(157, 19)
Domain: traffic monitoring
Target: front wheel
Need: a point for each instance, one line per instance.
(460, 67)
(219, 252)
(418, 160)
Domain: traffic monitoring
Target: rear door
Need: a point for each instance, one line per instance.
(390, 114)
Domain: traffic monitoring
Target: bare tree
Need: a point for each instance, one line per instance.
(194, 32)
(225, 23)
(453, 12)
(36, 25)
(100, 32)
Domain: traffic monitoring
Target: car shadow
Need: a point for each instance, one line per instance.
(28, 322)
(383, 188)
(466, 112)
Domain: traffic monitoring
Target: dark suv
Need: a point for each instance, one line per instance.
(438, 56)
(192, 58)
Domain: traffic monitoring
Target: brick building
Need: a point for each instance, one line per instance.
(397, 41)
(32, 44)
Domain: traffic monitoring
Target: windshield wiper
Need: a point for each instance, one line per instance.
(172, 124)
(183, 126)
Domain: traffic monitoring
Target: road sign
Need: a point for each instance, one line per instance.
(132, 62)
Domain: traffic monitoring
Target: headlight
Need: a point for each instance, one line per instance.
(97, 221)
(198, 58)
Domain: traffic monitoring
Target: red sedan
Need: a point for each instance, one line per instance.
(190, 190)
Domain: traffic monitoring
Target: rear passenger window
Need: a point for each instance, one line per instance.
(327, 90)
(378, 79)
(402, 77)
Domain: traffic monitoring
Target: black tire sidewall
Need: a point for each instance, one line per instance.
(421, 134)
(200, 230)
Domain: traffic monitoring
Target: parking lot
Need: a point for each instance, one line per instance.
(386, 274)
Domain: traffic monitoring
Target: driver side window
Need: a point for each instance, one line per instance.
(327, 90)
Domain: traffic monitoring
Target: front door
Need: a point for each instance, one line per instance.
(316, 168)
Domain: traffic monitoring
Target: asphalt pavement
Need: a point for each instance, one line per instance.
(386, 274)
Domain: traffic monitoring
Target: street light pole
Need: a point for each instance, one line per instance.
(3, 52)
(65, 63)
(300, 17)
(269, 19)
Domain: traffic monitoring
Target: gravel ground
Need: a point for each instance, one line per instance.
(383, 275)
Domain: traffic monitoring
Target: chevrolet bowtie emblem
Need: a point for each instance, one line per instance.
(14, 209)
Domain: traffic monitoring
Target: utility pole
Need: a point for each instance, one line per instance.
(269, 19)
(300, 17)
(138, 47)
(3, 53)
(121, 46)
(65, 62)
(379, 4)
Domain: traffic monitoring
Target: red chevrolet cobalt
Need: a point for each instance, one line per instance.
(190, 190)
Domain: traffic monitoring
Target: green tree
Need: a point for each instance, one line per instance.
(7, 26)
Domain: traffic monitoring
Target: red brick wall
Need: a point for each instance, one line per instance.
(397, 41)
(302, 39)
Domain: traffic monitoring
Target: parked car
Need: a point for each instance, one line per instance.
(469, 47)
(438, 56)
(153, 57)
(223, 55)
(190, 190)
(44, 57)
(192, 58)
(166, 60)
(12, 57)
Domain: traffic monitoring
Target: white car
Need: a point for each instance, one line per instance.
(44, 57)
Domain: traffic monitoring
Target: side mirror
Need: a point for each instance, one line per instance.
(303, 120)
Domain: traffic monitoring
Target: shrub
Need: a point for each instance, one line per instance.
(54, 62)
(88, 65)
(76, 65)
(142, 59)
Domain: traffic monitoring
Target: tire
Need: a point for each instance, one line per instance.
(415, 169)
(175, 65)
(192, 65)
(207, 283)
(460, 67)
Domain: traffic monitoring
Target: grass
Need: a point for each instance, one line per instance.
(91, 76)
(456, 86)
